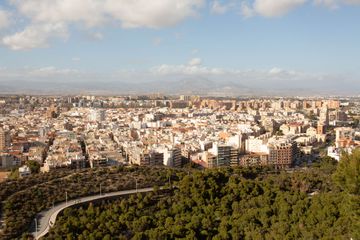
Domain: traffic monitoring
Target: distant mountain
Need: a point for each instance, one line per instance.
(201, 86)
(185, 85)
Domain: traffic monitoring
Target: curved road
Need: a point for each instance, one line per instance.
(47, 218)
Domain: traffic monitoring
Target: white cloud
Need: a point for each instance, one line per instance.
(45, 17)
(278, 8)
(257, 80)
(274, 8)
(331, 4)
(96, 36)
(51, 71)
(139, 13)
(218, 8)
(152, 14)
(30, 74)
(157, 41)
(178, 35)
(246, 11)
(194, 68)
(88, 12)
(194, 51)
(352, 2)
(334, 4)
(35, 36)
(275, 71)
(195, 62)
(4, 19)
(184, 70)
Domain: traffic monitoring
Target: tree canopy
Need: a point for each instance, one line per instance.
(347, 174)
(226, 203)
(34, 166)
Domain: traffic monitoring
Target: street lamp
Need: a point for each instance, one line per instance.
(100, 189)
(66, 197)
(170, 182)
(136, 184)
(36, 227)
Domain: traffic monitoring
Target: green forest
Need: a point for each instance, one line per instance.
(321, 202)
(21, 199)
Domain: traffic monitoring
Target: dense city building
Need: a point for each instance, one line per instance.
(88, 131)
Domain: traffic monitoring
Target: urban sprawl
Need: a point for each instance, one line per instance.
(93, 131)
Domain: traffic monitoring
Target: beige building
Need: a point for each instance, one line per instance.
(344, 137)
(4, 140)
(254, 159)
(282, 155)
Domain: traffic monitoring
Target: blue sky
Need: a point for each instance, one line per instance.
(314, 38)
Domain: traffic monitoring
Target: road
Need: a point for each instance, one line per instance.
(47, 218)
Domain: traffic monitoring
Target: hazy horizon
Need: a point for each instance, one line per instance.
(229, 48)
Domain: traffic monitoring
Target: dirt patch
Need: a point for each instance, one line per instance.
(3, 176)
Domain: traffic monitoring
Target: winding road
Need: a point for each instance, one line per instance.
(47, 218)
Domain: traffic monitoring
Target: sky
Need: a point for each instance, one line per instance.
(253, 42)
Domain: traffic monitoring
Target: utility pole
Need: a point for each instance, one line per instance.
(66, 197)
(100, 189)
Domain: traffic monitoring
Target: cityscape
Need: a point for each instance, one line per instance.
(88, 132)
(179, 119)
(55, 135)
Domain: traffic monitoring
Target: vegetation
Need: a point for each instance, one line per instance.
(356, 123)
(14, 174)
(321, 202)
(347, 174)
(24, 198)
(34, 166)
(231, 203)
(11, 186)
